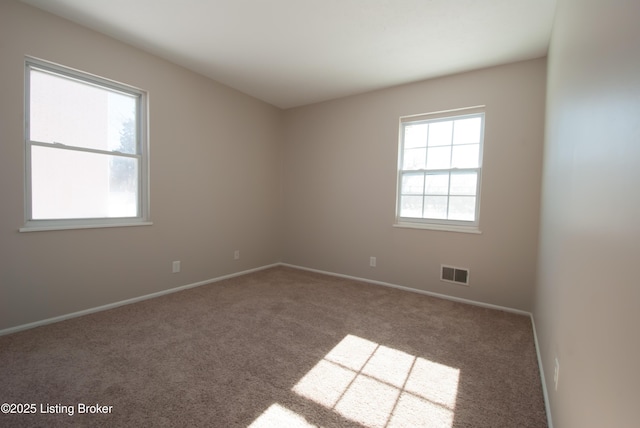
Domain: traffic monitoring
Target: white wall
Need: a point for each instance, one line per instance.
(340, 160)
(215, 180)
(587, 301)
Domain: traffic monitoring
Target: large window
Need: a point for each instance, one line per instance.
(86, 150)
(439, 170)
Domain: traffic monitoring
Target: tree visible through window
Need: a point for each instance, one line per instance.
(86, 149)
(440, 169)
(122, 173)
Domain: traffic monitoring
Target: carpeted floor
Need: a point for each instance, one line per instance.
(277, 348)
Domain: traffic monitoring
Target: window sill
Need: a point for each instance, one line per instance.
(440, 227)
(81, 226)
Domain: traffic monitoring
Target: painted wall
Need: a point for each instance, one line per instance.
(215, 180)
(339, 186)
(587, 300)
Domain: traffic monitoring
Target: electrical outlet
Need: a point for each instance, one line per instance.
(175, 267)
(372, 261)
(236, 255)
(556, 373)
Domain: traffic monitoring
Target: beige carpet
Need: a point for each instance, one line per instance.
(278, 348)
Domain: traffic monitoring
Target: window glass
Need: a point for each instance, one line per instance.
(440, 167)
(86, 149)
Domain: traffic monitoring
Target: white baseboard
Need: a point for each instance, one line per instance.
(413, 290)
(545, 392)
(128, 301)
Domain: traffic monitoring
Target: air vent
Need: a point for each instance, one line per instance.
(454, 274)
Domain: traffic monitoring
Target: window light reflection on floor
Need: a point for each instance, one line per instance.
(378, 386)
(279, 416)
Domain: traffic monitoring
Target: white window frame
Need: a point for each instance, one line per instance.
(431, 223)
(142, 152)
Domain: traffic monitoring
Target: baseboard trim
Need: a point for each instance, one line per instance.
(59, 318)
(545, 392)
(413, 290)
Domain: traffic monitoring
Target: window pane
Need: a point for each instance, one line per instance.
(415, 135)
(72, 184)
(462, 208)
(464, 183)
(465, 156)
(70, 112)
(123, 187)
(439, 157)
(467, 131)
(414, 159)
(440, 133)
(435, 207)
(441, 180)
(411, 206)
(413, 184)
(437, 184)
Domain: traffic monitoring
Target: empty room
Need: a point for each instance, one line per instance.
(305, 213)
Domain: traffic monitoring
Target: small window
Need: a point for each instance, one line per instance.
(86, 150)
(439, 170)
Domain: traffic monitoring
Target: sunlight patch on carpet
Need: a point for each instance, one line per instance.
(380, 387)
(279, 416)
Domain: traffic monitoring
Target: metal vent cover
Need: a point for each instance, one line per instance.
(454, 274)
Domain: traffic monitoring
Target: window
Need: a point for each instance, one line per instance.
(86, 150)
(439, 170)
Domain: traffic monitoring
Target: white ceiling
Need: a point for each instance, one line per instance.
(296, 52)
